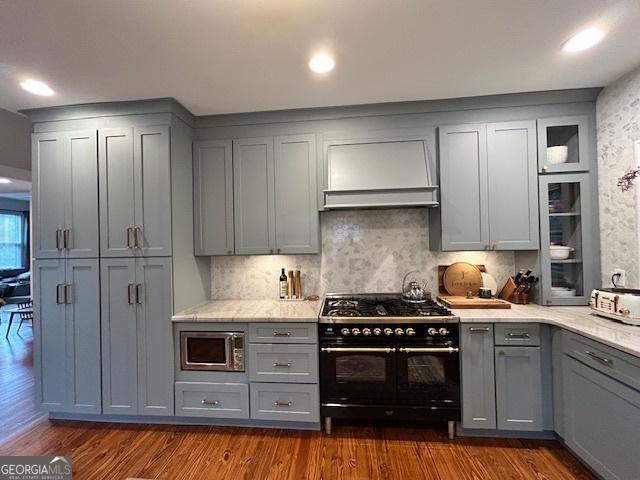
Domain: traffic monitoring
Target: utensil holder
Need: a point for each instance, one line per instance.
(509, 294)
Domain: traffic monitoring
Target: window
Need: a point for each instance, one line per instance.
(12, 240)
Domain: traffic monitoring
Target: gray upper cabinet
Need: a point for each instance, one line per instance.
(213, 197)
(296, 202)
(564, 144)
(65, 195)
(135, 186)
(478, 376)
(253, 196)
(137, 351)
(488, 180)
(67, 319)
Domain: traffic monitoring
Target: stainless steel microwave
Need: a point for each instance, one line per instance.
(212, 351)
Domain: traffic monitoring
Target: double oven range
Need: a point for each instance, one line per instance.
(383, 358)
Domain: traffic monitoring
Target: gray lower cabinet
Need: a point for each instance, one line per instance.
(478, 376)
(283, 363)
(285, 402)
(280, 332)
(488, 179)
(602, 420)
(135, 186)
(518, 372)
(213, 400)
(67, 335)
(213, 197)
(137, 358)
(65, 195)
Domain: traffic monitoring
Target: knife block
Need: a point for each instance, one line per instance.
(509, 294)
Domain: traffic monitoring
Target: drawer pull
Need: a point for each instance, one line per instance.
(519, 336)
(212, 403)
(283, 404)
(281, 334)
(605, 361)
(478, 329)
(278, 364)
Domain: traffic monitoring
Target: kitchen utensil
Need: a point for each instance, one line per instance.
(558, 154)
(414, 291)
(464, 302)
(462, 277)
(489, 282)
(560, 252)
(484, 292)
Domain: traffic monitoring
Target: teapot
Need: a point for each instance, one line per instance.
(413, 292)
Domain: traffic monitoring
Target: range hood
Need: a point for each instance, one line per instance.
(378, 173)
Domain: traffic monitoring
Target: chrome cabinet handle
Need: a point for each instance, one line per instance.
(359, 349)
(605, 361)
(429, 350)
(58, 239)
(277, 364)
(130, 240)
(478, 329)
(210, 402)
(67, 294)
(282, 404)
(130, 294)
(519, 336)
(66, 238)
(60, 293)
(229, 252)
(271, 250)
(278, 250)
(138, 293)
(137, 237)
(281, 334)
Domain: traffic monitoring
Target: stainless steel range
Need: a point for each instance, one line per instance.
(384, 358)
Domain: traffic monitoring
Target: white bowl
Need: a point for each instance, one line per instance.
(563, 292)
(560, 252)
(558, 154)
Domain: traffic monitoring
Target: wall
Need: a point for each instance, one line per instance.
(12, 204)
(618, 124)
(15, 140)
(362, 251)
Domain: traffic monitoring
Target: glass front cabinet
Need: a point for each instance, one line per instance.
(563, 144)
(567, 249)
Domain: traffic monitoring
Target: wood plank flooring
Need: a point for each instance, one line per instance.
(354, 451)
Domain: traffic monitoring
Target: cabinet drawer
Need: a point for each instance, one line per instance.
(612, 362)
(517, 334)
(283, 332)
(221, 400)
(283, 363)
(285, 402)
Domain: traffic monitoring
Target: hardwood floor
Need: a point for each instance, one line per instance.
(359, 452)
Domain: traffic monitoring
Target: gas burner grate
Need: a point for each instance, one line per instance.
(337, 312)
(343, 303)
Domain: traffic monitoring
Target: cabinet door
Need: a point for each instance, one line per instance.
(297, 220)
(82, 194)
(463, 181)
(119, 336)
(602, 421)
(152, 174)
(50, 334)
(519, 388)
(155, 339)
(564, 144)
(253, 196)
(83, 336)
(213, 197)
(512, 186)
(49, 191)
(115, 159)
(478, 376)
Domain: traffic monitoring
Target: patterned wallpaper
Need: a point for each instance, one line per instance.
(362, 251)
(618, 120)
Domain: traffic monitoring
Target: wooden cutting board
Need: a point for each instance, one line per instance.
(450, 301)
(462, 277)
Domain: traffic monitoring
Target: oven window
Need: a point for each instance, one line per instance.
(426, 370)
(206, 350)
(360, 369)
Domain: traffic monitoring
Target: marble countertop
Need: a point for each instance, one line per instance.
(247, 311)
(576, 319)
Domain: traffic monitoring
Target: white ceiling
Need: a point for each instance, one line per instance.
(17, 189)
(218, 56)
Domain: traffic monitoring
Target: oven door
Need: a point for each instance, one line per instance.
(428, 376)
(207, 350)
(357, 374)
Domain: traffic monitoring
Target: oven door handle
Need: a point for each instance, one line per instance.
(359, 349)
(430, 350)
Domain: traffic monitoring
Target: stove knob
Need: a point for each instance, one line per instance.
(410, 331)
(443, 331)
(388, 331)
(355, 331)
(399, 331)
(432, 331)
(366, 332)
(377, 331)
(345, 331)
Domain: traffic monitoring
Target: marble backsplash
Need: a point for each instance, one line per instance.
(362, 251)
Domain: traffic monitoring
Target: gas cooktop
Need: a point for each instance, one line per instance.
(381, 308)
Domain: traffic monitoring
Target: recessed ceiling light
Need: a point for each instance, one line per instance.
(322, 63)
(36, 87)
(583, 40)
(5, 180)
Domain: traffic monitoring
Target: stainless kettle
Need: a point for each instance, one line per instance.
(413, 292)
